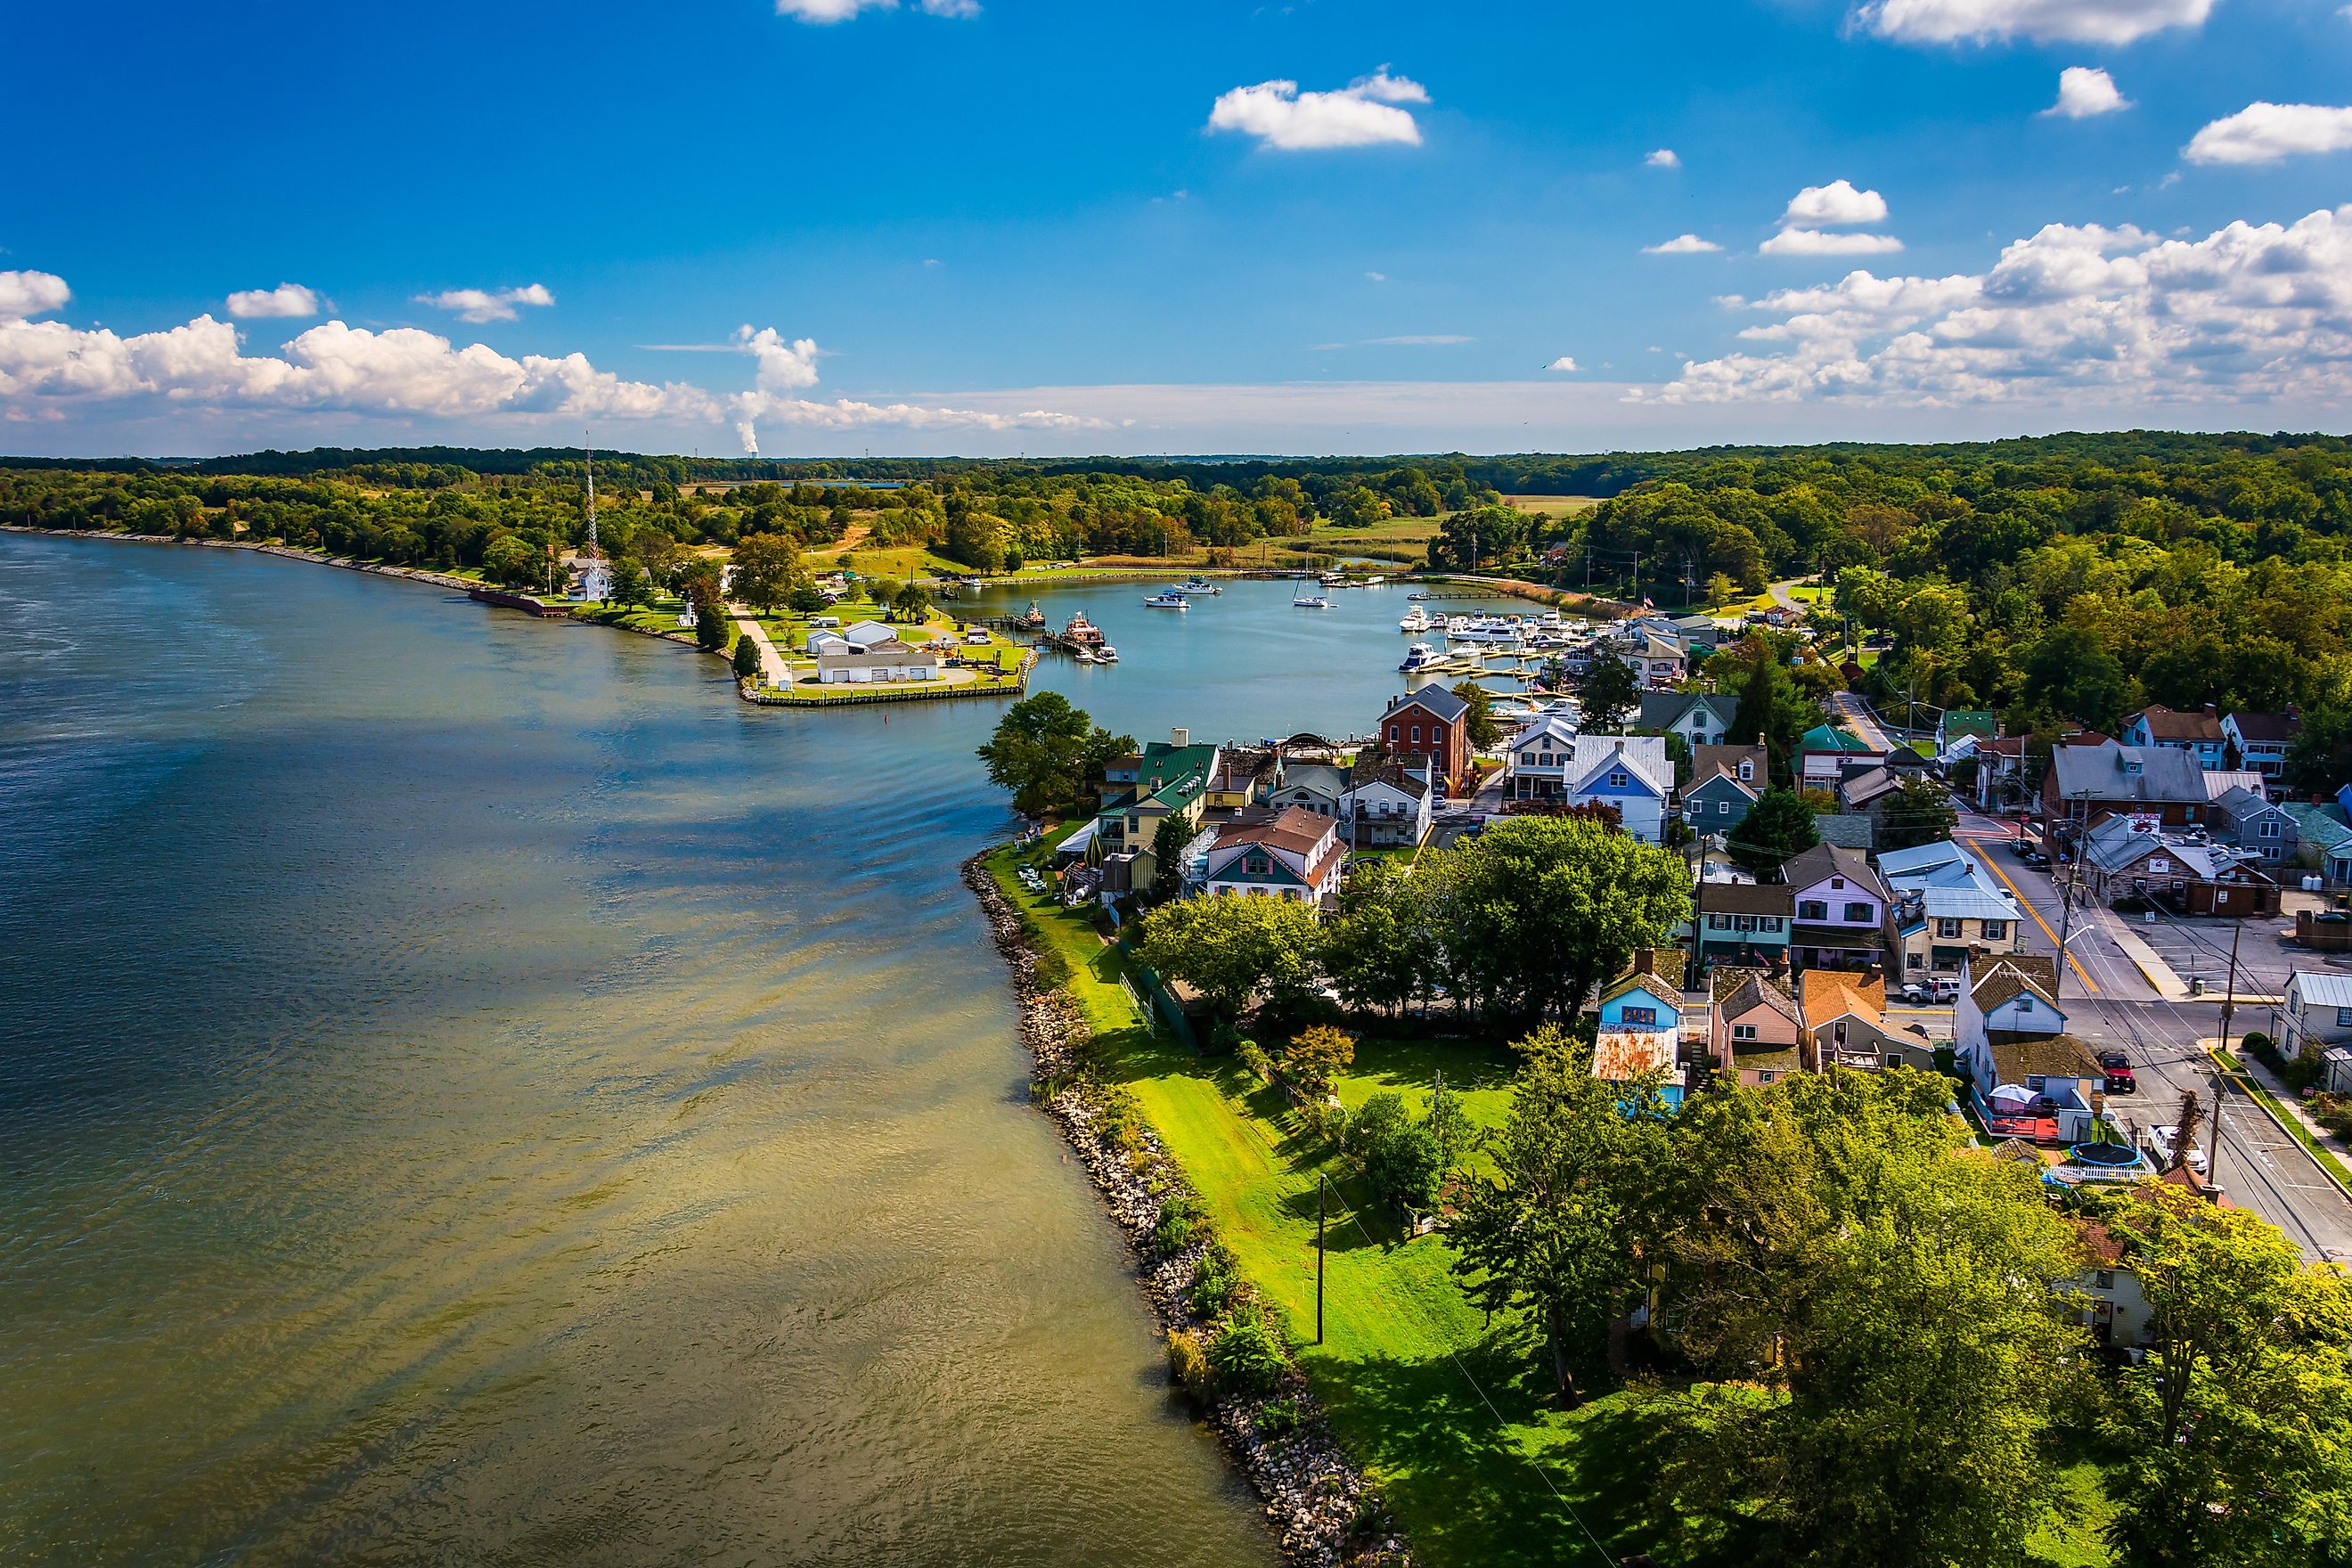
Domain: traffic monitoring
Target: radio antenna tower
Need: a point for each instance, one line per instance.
(593, 550)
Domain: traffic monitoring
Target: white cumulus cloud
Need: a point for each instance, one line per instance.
(1819, 242)
(1664, 158)
(2043, 21)
(1681, 245)
(1834, 205)
(285, 300)
(1563, 362)
(2252, 312)
(1364, 113)
(2266, 132)
(48, 367)
(827, 12)
(2084, 92)
(24, 294)
(479, 305)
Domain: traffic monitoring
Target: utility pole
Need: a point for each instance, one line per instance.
(2066, 916)
(2230, 991)
(1322, 1197)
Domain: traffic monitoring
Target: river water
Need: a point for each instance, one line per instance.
(472, 1091)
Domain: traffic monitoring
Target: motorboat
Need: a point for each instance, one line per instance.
(1421, 655)
(1086, 656)
(1107, 654)
(1416, 620)
(1034, 620)
(1311, 602)
(1333, 579)
(1167, 599)
(1198, 585)
(1417, 595)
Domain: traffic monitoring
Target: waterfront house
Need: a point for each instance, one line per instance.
(1753, 1028)
(1629, 773)
(1142, 790)
(2162, 785)
(876, 663)
(1700, 718)
(1386, 804)
(1659, 661)
(1538, 762)
(1725, 782)
(1745, 922)
(1823, 751)
(2316, 1014)
(1245, 776)
(1428, 722)
(2258, 741)
(1845, 1025)
(593, 580)
(2195, 734)
(1641, 1023)
(1286, 854)
(1316, 787)
(2254, 826)
(1841, 908)
(1697, 634)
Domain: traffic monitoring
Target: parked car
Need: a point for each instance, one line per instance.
(2160, 1143)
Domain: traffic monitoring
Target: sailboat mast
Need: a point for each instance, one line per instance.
(592, 491)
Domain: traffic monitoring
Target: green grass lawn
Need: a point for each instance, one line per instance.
(1448, 1413)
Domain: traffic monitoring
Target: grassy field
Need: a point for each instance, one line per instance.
(898, 561)
(1555, 506)
(1447, 1411)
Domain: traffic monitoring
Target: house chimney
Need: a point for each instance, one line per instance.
(1621, 743)
(1178, 736)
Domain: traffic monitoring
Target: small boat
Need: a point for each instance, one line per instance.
(1311, 602)
(1168, 599)
(1421, 655)
(1416, 620)
(1086, 656)
(1107, 654)
(1034, 621)
(1198, 585)
(1417, 593)
(1332, 580)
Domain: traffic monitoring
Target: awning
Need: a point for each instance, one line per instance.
(1076, 843)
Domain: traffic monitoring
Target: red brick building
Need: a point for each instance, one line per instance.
(1431, 723)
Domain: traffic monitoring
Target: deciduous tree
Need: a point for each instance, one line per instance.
(1230, 948)
(1049, 754)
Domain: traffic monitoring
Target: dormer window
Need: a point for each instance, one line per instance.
(1746, 772)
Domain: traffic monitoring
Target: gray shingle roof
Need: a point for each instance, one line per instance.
(1437, 699)
(2166, 776)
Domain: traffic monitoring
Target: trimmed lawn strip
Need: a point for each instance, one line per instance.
(2286, 1119)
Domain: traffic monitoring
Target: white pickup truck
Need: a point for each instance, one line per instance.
(2161, 1139)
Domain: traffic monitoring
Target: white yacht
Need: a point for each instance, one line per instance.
(1417, 593)
(1311, 602)
(1167, 599)
(1107, 654)
(1416, 620)
(1421, 655)
(1198, 585)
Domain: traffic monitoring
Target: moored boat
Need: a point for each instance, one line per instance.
(1083, 632)
(1311, 602)
(1167, 599)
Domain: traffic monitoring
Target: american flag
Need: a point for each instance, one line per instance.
(1648, 605)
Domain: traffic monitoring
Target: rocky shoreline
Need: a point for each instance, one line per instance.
(1318, 1505)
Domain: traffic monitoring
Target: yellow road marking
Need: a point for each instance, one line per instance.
(2027, 905)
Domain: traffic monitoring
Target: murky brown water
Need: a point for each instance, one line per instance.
(471, 1090)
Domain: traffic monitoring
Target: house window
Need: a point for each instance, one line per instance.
(1996, 930)
(1527, 759)
(1640, 1017)
(1948, 929)
(2037, 1083)
(1745, 922)
(1619, 781)
(1915, 961)
(1769, 922)
(2024, 1006)
(1837, 884)
(1718, 922)
(2266, 828)
(1723, 809)
(1860, 914)
(1256, 865)
(1743, 1031)
(1437, 734)
(1396, 733)
(1812, 909)
(1747, 772)
(2103, 1279)
(1416, 734)
(1894, 1059)
(1764, 1076)
(2343, 1017)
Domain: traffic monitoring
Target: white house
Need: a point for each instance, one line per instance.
(1318, 787)
(2115, 1308)
(2261, 740)
(1698, 717)
(1292, 854)
(594, 583)
(2316, 1014)
(1628, 771)
(1540, 754)
(1386, 804)
(2032, 1078)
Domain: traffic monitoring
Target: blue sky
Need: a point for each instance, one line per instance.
(1059, 228)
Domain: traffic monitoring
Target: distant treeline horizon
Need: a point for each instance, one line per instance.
(1597, 474)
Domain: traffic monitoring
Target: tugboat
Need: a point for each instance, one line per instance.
(1082, 633)
(1167, 599)
(1034, 621)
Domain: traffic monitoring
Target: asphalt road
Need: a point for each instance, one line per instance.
(2111, 1003)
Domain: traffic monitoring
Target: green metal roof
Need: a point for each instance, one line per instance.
(1830, 737)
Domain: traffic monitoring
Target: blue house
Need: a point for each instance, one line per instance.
(1726, 780)
(1641, 1026)
(1628, 771)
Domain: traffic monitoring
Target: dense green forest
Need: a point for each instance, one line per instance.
(2066, 578)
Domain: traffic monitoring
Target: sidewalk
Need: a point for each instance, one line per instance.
(774, 671)
(2149, 963)
(2289, 1102)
